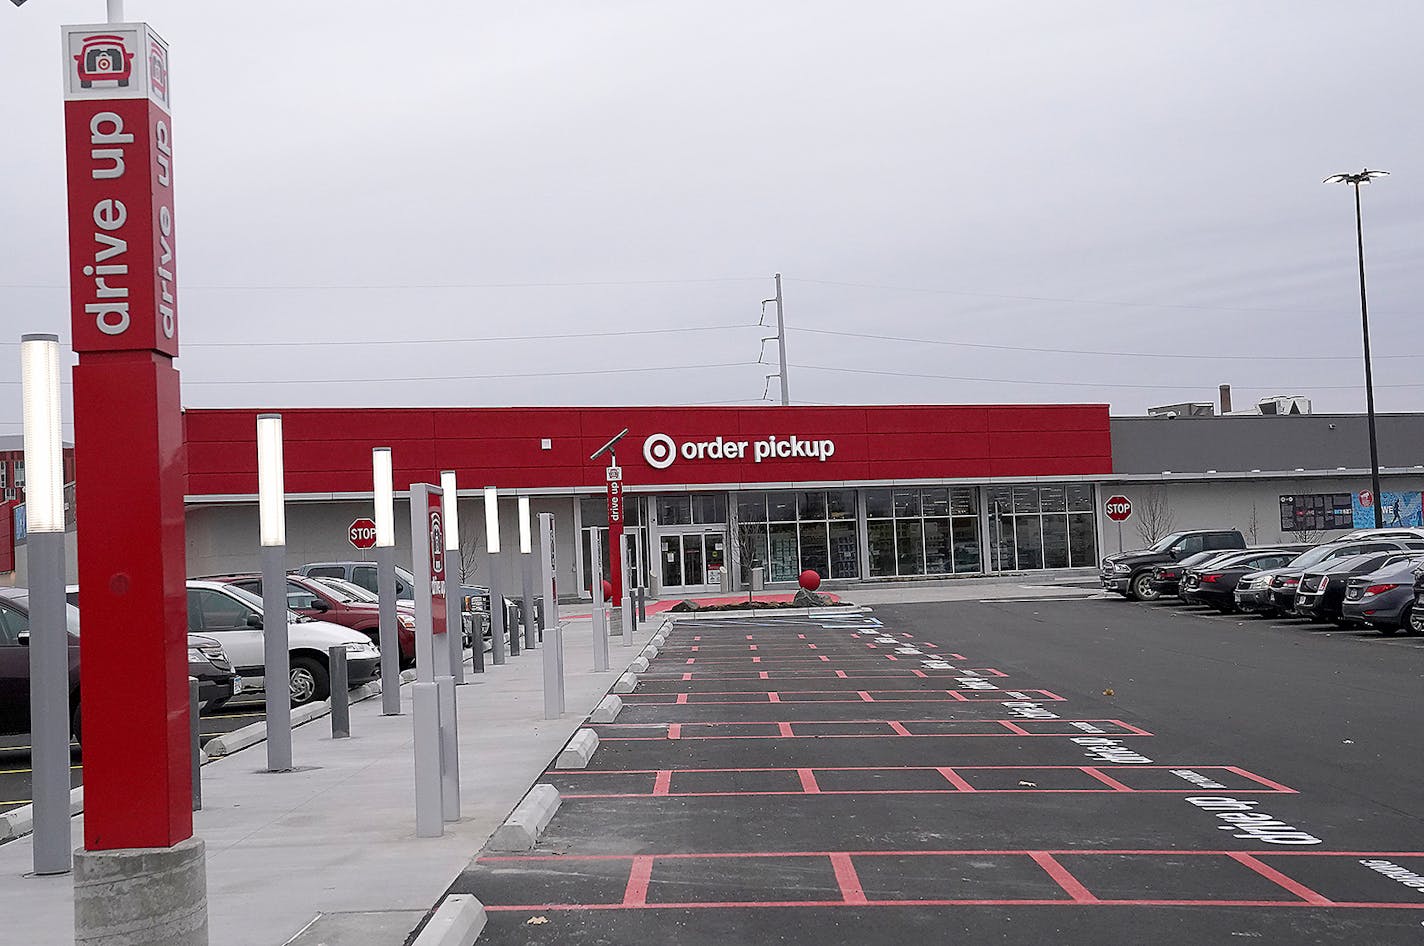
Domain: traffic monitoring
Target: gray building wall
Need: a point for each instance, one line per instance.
(1250, 505)
(1240, 443)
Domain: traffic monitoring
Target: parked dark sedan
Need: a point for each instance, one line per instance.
(1384, 599)
(1214, 583)
(1321, 591)
(1167, 577)
(15, 662)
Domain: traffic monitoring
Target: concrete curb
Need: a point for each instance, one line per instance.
(530, 817)
(626, 683)
(18, 822)
(231, 742)
(650, 652)
(458, 921)
(579, 750)
(639, 665)
(607, 710)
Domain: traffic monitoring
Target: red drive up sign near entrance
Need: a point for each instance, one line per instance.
(362, 534)
(615, 533)
(1118, 508)
(128, 432)
(437, 571)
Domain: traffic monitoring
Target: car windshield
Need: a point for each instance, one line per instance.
(348, 591)
(255, 602)
(1166, 542)
(71, 613)
(1312, 556)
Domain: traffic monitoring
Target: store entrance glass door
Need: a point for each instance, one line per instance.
(691, 561)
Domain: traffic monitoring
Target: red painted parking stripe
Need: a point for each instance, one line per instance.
(764, 675)
(847, 879)
(662, 782)
(686, 677)
(808, 781)
(919, 673)
(681, 698)
(784, 730)
(898, 728)
(773, 697)
(1274, 786)
(1279, 879)
(1062, 877)
(865, 696)
(1014, 728)
(1108, 780)
(641, 874)
(674, 730)
(955, 779)
(841, 674)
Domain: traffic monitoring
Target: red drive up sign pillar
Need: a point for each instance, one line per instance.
(128, 438)
(615, 534)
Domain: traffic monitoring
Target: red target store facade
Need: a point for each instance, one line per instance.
(853, 492)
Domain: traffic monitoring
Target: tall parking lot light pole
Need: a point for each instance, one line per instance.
(49, 631)
(496, 606)
(454, 566)
(384, 517)
(526, 570)
(1355, 180)
(272, 521)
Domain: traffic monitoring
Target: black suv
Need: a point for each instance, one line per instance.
(1130, 573)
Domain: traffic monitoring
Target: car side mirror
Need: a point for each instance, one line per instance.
(320, 605)
(254, 620)
(24, 638)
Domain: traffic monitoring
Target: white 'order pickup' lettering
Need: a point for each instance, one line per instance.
(1251, 825)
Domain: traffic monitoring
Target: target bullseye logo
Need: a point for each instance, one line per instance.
(659, 450)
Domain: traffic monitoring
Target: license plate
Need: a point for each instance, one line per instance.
(236, 685)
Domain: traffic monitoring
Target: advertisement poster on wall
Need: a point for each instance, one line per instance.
(1398, 509)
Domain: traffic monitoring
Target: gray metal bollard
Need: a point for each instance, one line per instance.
(195, 743)
(642, 604)
(513, 628)
(340, 693)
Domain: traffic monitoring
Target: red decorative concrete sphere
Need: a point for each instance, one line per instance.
(607, 590)
(810, 580)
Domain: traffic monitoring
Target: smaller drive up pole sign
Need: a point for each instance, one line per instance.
(615, 533)
(127, 417)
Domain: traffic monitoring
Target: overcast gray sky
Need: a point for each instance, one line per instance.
(1101, 176)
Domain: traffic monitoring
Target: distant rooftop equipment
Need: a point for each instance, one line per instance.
(1189, 409)
(1284, 404)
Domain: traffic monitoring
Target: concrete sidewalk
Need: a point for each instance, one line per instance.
(334, 842)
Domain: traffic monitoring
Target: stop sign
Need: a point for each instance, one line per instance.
(362, 534)
(1118, 508)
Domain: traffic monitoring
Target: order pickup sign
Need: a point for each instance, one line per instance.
(363, 534)
(1118, 508)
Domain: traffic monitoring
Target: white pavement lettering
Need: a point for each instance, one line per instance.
(1396, 873)
(1197, 779)
(1110, 750)
(1251, 825)
(1036, 711)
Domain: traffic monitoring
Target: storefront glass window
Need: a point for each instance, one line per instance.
(934, 531)
(1049, 526)
(781, 507)
(709, 508)
(674, 510)
(789, 532)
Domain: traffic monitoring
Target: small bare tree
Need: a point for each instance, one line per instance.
(1153, 511)
(1309, 536)
(746, 533)
(1253, 526)
(469, 561)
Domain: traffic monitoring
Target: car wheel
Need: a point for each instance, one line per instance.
(1140, 589)
(310, 681)
(212, 706)
(1412, 620)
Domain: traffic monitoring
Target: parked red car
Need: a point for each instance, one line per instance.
(323, 602)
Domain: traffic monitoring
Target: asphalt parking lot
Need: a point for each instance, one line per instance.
(1049, 771)
(15, 749)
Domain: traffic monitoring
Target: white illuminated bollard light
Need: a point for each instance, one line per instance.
(384, 516)
(272, 534)
(526, 576)
(49, 631)
(501, 647)
(454, 568)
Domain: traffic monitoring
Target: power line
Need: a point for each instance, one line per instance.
(1054, 299)
(1083, 351)
(1094, 384)
(381, 287)
(553, 336)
